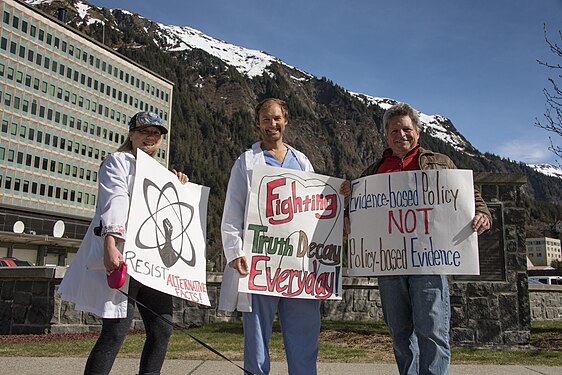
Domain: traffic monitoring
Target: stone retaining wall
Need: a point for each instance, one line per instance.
(546, 302)
(29, 304)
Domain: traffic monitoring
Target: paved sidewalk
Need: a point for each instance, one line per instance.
(71, 366)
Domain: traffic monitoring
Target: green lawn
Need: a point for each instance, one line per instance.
(339, 342)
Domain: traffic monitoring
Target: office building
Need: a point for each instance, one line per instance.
(65, 103)
(543, 250)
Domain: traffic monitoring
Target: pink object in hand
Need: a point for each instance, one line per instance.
(117, 277)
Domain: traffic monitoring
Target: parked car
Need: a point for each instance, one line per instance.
(545, 280)
(14, 262)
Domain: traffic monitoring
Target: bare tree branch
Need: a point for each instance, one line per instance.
(552, 121)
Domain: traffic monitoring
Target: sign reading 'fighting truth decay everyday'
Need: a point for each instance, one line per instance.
(165, 245)
(417, 222)
(294, 233)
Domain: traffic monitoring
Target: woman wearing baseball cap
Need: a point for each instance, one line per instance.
(86, 284)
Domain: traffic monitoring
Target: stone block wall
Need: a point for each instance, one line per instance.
(493, 309)
(484, 314)
(27, 300)
(545, 302)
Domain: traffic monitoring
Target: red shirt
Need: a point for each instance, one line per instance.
(393, 163)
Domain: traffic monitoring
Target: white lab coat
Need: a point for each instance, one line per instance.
(85, 282)
(233, 217)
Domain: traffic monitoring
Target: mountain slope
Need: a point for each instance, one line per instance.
(217, 86)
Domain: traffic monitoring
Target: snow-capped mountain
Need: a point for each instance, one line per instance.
(253, 63)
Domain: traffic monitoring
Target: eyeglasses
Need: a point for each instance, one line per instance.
(149, 132)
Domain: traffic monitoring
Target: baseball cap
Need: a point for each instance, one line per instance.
(143, 120)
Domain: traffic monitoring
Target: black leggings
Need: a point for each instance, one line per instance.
(114, 331)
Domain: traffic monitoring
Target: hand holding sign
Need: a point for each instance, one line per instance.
(293, 236)
(417, 222)
(165, 246)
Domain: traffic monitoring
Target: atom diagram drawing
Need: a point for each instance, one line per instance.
(166, 226)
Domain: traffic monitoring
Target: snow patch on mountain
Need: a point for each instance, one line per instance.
(250, 62)
(435, 125)
(547, 169)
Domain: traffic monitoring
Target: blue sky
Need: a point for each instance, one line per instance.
(472, 61)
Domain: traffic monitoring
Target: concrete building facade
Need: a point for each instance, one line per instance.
(542, 251)
(65, 103)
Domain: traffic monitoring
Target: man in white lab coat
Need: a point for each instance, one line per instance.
(299, 318)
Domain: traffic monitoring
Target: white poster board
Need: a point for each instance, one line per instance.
(166, 232)
(417, 222)
(294, 235)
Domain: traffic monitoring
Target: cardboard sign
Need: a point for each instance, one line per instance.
(408, 223)
(293, 235)
(165, 244)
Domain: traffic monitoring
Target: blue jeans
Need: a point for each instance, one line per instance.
(300, 325)
(417, 312)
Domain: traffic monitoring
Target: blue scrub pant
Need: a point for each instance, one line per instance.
(300, 326)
